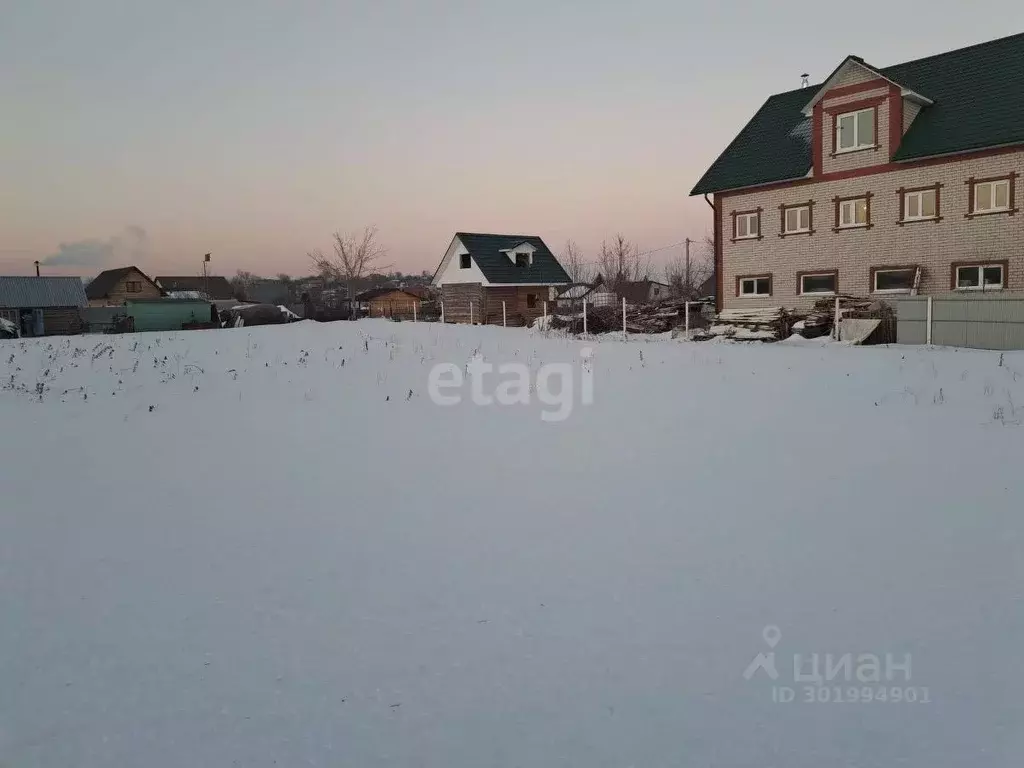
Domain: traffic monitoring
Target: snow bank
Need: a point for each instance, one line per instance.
(260, 546)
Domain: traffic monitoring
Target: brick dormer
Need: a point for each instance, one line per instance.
(858, 118)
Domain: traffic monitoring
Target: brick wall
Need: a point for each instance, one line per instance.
(932, 245)
(833, 106)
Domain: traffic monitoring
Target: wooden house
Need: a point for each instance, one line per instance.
(42, 306)
(497, 278)
(112, 287)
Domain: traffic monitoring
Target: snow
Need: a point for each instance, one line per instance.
(254, 547)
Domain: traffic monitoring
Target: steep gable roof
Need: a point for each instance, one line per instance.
(856, 62)
(977, 103)
(497, 267)
(100, 286)
(218, 288)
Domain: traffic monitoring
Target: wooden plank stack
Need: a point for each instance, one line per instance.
(762, 324)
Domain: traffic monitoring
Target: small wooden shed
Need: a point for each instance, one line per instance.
(391, 302)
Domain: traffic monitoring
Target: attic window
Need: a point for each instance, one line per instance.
(133, 286)
(465, 261)
(855, 130)
(522, 259)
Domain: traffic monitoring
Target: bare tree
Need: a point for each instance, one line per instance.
(574, 265)
(685, 279)
(622, 262)
(355, 257)
(241, 283)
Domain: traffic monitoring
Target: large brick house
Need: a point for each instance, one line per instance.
(488, 278)
(877, 182)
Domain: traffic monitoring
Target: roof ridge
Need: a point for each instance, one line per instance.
(954, 51)
(860, 60)
(494, 234)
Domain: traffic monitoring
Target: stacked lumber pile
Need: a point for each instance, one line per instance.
(765, 324)
(821, 318)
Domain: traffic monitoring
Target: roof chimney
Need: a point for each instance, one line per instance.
(37, 268)
(805, 80)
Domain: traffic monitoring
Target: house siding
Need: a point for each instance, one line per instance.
(517, 309)
(934, 246)
(118, 294)
(487, 303)
(452, 273)
(456, 299)
(910, 111)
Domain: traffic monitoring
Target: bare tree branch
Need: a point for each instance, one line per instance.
(621, 262)
(575, 266)
(687, 285)
(241, 283)
(355, 256)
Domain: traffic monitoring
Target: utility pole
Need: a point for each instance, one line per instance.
(688, 286)
(206, 279)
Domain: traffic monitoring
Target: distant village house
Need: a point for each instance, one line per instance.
(486, 278)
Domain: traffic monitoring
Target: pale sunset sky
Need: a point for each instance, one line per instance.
(145, 132)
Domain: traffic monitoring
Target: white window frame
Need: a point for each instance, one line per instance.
(748, 217)
(753, 281)
(980, 268)
(828, 273)
(877, 272)
(856, 131)
(993, 184)
(798, 210)
(853, 205)
(918, 195)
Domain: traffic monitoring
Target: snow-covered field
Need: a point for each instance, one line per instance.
(268, 546)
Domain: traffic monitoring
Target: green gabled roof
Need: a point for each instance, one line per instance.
(486, 251)
(978, 103)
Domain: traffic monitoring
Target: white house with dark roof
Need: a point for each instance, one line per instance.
(490, 278)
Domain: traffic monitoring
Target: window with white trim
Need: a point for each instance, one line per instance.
(855, 130)
(823, 282)
(797, 220)
(756, 286)
(853, 213)
(893, 280)
(919, 205)
(980, 277)
(991, 196)
(748, 225)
